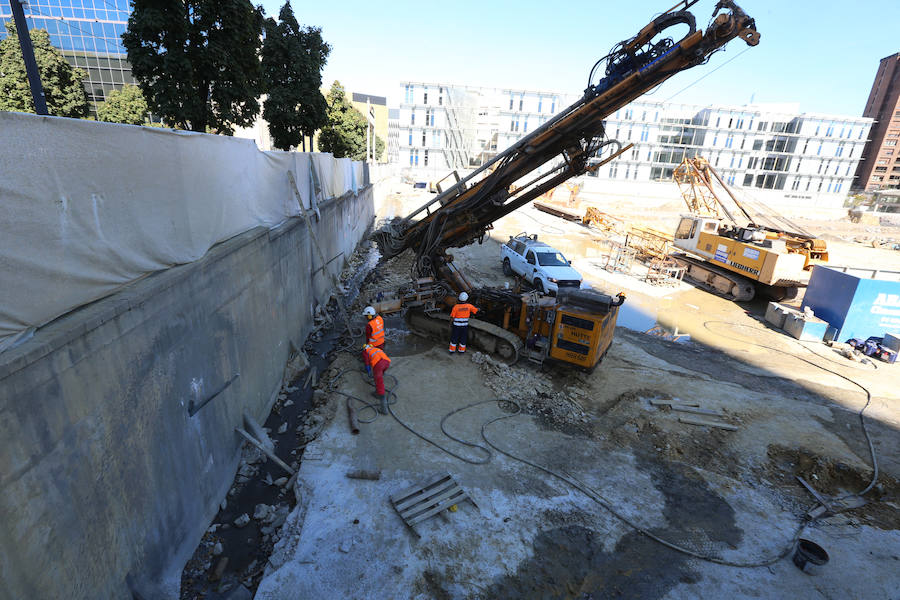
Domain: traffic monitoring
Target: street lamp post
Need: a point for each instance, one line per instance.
(31, 70)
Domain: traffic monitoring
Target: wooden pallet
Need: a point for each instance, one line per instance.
(421, 502)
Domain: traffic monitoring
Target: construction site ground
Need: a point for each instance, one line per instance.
(560, 488)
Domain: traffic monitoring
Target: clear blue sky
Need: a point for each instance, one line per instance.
(821, 54)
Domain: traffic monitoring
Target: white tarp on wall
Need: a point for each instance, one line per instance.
(86, 207)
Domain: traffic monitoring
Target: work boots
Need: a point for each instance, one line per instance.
(382, 398)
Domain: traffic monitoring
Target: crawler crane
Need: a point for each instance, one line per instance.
(576, 327)
(732, 251)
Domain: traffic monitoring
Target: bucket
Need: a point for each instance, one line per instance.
(809, 556)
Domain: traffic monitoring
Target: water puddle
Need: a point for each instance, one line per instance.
(643, 317)
(400, 341)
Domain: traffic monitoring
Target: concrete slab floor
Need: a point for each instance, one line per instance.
(728, 494)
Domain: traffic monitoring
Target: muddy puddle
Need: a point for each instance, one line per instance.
(643, 315)
(400, 341)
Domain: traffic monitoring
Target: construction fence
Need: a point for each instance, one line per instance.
(89, 207)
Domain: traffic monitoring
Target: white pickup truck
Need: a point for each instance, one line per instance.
(542, 266)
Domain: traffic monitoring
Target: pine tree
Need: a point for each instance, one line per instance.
(197, 61)
(63, 84)
(292, 59)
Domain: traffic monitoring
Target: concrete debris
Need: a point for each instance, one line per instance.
(707, 423)
(298, 363)
(242, 520)
(321, 316)
(268, 479)
(224, 503)
(262, 512)
(281, 481)
(253, 455)
(673, 402)
(698, 411)
(246, 472)
(288, 403)
(218, 549)
(283, 428)
(532, 390)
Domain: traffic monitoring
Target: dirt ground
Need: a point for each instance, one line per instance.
(574, 494)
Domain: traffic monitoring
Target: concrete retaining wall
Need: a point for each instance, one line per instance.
(106, 483)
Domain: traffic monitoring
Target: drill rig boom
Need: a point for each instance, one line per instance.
(576, 327)
(463, 213)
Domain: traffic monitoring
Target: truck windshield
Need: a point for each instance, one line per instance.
(552, 259)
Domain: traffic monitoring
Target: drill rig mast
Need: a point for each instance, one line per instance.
(576, 327)
(463, 213)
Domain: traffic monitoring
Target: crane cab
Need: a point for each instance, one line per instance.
(687, 234)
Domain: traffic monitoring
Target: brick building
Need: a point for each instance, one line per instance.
(880, 165)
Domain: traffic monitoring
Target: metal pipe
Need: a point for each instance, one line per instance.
(351, 416)
(194, 408)
(31, 69)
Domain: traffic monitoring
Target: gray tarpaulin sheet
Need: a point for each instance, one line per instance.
(87, 207)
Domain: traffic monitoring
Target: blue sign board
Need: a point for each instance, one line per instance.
(858, 307)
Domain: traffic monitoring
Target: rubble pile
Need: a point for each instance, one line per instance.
(318, 416)
(396, 273)
(533, 391)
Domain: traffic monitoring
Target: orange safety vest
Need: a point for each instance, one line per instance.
(460, 313)
(373, 355)
(376, 331)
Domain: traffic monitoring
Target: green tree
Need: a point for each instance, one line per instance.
(345, 134)
(63, 83)
(126, 105)
(197, 61)
(292, 59)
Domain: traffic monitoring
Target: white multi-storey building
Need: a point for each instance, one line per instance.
(445, 127)
(393, 141)
(800, 157)
(770, 147)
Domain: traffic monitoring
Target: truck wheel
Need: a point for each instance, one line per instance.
(507, 269)
(538, 285)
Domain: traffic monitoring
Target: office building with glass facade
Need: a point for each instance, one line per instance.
(88, 33)
(772, 149)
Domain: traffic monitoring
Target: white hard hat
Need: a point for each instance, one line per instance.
(369, 311)
(463, 297)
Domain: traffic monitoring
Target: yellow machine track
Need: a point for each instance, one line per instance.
(731, 285)
(487, 337)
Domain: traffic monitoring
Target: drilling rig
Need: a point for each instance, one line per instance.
(574, 327)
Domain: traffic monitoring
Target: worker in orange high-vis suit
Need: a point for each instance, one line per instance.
(459, 316)
(374, 332)
(378, 361)
(374, 328)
